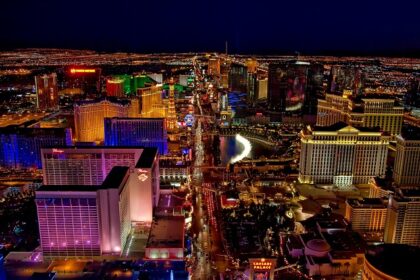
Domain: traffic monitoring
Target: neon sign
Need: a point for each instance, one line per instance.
(74, 71)
(57, 151)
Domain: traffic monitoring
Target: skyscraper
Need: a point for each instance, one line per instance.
(344, 78)
(293, 88)
(46, 92)
(115, 87)
(403, 217)
(145, 132)
(85, 165)
(238, 78)
(214, 66)
(406, 166)
(342, 155)
(149, 101)
(79, 221)
(87, 79)
(90, 166)
(89, 117)
(366, 215)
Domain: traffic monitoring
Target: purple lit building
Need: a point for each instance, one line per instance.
(80, 221)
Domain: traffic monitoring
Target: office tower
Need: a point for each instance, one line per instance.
(403, 218)
(366, 215)
(214, 66)
(171, 119)
(365, 111)
(145, 132)
(89, 117)
(46, 92)
(238, 78)
(21, 146)
(87, 79)
(262, 88)
(293, 88)
(115, 87)
(342, 155)
(406, 166)
(149, 101)
(252, 86)
(344, 78)
(78, 221)
(224, 74)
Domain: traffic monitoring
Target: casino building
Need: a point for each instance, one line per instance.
(342, 155)
(145, 132)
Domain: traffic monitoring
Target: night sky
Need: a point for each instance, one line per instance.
(277, 27)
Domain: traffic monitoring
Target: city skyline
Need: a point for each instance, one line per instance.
(204, 140)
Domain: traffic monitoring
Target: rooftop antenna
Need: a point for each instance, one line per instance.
(226, 47)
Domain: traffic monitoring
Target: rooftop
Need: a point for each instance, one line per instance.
(103, 99)
(340, 125)
(167, 232)
(117, 176)
(147, 158)
(366, 203)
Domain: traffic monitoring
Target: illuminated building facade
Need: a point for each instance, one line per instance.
(251, 65)
(85, 165)
(87, 79)
(238, 78)
(46, 92)
(366, 111)
(334, 108)
(149, 99)
(214, 67)
(406, 166)
(293, 88)
(145, 132)
(403, 218)
(342, 155)
(115, 87)
(21, 146)
(262, 85)
(366, 215)
(90, 166)
(171, 119)
(75, 221)
(89, 117)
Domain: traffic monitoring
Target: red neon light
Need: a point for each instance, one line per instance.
(74, 71)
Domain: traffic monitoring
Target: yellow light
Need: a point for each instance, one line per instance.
(73, 70)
